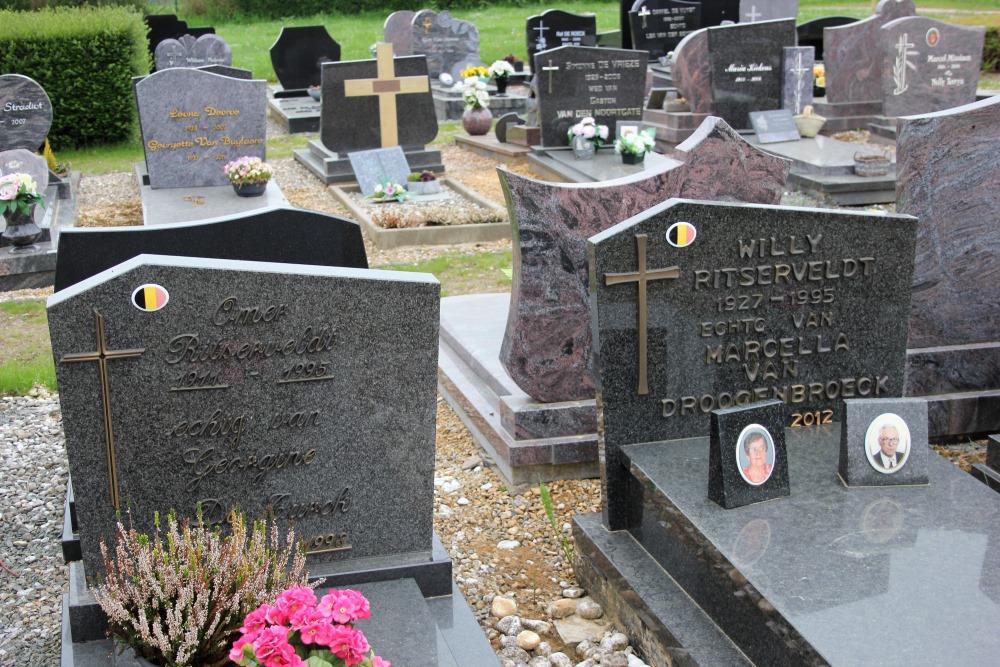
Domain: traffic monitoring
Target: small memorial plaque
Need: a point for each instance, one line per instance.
(377, 165)
(747, 460)
(774, 126)
(883, 442)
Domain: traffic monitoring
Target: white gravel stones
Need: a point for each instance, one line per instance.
(528, 640)
(573, 592)
(589, 610)
(508, 545)
(615, 642)
(560, 659)
(510, 625)
(562, 608)
(32, 494)
(541, 627)
(502, 607)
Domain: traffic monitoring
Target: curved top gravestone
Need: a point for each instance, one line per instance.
(299, 53)
(547, 346)
(397, 31)
(692, 71)
(450, 44)
(188, 51)
(23, 161)
(554, 28)
(25, 113)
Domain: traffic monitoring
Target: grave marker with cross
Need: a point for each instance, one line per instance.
(386, 85)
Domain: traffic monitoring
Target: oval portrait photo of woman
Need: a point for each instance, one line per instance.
(755, 454)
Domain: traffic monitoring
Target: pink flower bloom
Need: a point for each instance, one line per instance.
(8, 191)
(345, 606)
(348, 644)
(236, 653)
(294, 600)
(255, 621)
(313, 627)
(273, 650)
(379, 662)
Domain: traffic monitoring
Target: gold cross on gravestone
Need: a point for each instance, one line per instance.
(641, 278)
(386, 86)
(427, 25)
(102, 356)
(550, 69)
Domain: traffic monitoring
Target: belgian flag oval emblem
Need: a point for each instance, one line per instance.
(150, 297)
(681, 234)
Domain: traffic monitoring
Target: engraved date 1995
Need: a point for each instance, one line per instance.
(304, 372)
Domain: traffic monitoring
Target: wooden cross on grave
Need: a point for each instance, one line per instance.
(386, 85)
(102, 355)
(641, 278)
(753, 14)
(644, 12)
(550, 69)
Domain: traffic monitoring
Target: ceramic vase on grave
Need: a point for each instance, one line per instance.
(501, 82)
(249, 189)
(583, 148)
(632, 158)
(21, 231)
(477, 122)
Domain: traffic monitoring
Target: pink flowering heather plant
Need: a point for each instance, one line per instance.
(17, 193)
(298, 631)
(248, 170)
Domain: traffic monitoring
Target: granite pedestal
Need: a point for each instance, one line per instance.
(167, 205)
(807, 579)
(450, 105)
(295, 114)
(489, 146)
(332, 167)
(559, 165)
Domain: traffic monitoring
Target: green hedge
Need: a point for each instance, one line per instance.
(991, 50)
(85, 59)
(26, 5)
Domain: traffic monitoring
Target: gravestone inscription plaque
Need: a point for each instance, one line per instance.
(279, 388)
(554, 28)
(774, 126)
(194, 122)
(659, 25)
(449, 44)
(25, 113)
(701, 306)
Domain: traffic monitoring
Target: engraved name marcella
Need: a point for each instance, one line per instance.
(794, 279)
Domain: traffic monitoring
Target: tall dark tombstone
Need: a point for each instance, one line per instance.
(449, 44)
(658, 26)
(810, 33)
(554, 28)
(298, 55)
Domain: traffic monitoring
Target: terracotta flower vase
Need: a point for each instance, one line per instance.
(477, 122)
(21, 231)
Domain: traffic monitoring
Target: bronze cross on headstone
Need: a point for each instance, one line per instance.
(641, 277)
(386, 86)
(550, 69)
(102, 355)
(427, 25)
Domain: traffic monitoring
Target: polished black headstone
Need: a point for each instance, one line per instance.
(883, 442)
(282, 234)
(299, 53)
(747, 459)
(554, 28)
(774, 126)
(659, 25)
(810, 33)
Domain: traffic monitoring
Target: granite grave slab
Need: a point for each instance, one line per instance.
(658, 26)
(189, 51)
(774, 126)
(449, 44)
(194, 122)
(397, 29)
(752, 11)
(298, 55)
(276, 386)
(947, 176)
(374, 166)
(989, 472)
(928, 65)
(797, 88)
(576, 81)
(282, 234)
(747, 459)
(672, 343)
(554, 28)
(810, 33)
(25, 113)
(883, 442)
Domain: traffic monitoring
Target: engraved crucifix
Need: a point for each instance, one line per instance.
(102, 355)
(644, 12)
(550, 69)
(641, 277)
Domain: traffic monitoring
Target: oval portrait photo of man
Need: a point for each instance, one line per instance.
(887, 443)
(755, 454)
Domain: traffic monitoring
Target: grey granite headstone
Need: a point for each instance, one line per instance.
(929, 65)
(883, 442)
(752, 11)
(194, 122)
(554, 28)
(304, 391)
(299, 53)
(25, 113)
(746, 61)
(576, 81)
(172, 52)
(774, 126)
(396, 31)
(758, 302)
(379, 164)
(449, 44)
(354, 122)
(189, 51)
(739, 436)
(797, 90)
(658, 26)
(23, 161)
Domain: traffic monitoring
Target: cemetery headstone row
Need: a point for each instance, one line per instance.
(188, 51)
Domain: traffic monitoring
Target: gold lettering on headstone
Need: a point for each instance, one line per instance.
(386, 85)
(641, 277)
(102, 355)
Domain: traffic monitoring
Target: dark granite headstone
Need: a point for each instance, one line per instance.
(189, 51)
(373, 166)
(500, 127)
(449, 44)
(365, 102)
(746, 61)
(226, 70)
(576, 81)
(397, 32)
(194, 122)
(928, 65)
(714, 12)
(286, 235)
(303, 392)
(852, 57)
(658, 26)
(774, 126)
(25, 113)
(700, 306)
(747, 459)
(23, 161)
(752, 11)
(810, 33)
(554, 28)
(299, 53)
(948, 176)
(547, 346)
(797, 89)
(883, 442)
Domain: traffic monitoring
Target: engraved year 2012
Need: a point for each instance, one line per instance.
(739, 302)
(330, 542)
(817, 418)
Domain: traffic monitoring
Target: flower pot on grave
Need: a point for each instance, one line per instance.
(477, 122)
(501, 82)
(249, 189)
(21, 231)
(808, 123)
(583, 148)
(632, 158)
